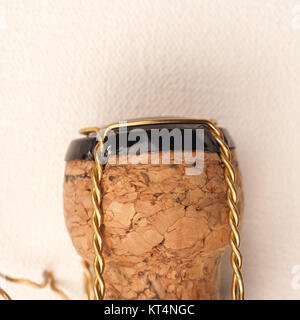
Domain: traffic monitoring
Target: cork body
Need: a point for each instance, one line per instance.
(164, 231)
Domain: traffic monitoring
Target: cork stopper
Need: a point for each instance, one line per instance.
(164, 231)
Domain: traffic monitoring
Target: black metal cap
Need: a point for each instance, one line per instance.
(82, 148)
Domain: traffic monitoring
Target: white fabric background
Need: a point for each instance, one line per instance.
(66, 64)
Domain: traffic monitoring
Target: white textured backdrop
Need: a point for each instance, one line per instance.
(66, 64)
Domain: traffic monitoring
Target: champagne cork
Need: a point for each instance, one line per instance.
(164, 231)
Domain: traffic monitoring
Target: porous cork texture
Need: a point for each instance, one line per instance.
(164, 231)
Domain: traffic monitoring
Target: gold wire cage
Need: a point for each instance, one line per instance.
(94, 286)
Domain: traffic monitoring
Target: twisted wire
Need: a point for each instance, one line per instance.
(234, 216)
(97, 221)
(48, 280)
(4, 294)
